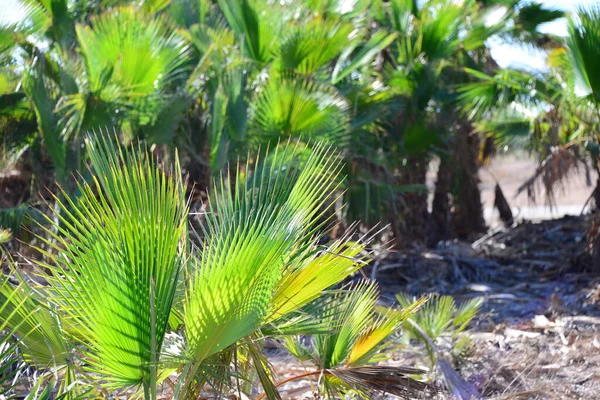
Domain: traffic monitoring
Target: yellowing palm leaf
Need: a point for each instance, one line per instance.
(251, 233)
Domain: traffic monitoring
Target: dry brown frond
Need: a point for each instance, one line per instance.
(552, 173)
(387, 379)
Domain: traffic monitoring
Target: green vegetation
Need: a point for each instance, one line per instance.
(130, 301)
(116, 116)
(391, 84)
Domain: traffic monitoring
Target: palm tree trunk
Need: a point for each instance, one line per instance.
(468, 211)
(441, 223)
(410, 224)
(595, 241)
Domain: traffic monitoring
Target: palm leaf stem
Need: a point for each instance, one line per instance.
(294, 378)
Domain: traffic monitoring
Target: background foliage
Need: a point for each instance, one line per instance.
(128, 111)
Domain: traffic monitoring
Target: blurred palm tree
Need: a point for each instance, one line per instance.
(553, 114)
(218, 79)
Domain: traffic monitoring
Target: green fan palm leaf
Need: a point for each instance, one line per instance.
(583, 43)
(357, 305)
(250, 235)
(299, 108)
(36, 327)
(130, 55)
(119, 250)
(311, 46)
(357, 333)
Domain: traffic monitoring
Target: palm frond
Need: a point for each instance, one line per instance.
(435, 317)
(121, 243)
(500, 90)
(508, 127)
(400, 14)
(530, 16)
(465, 313)
(360, 53)
(257, 25)
(437, 34)
(354, 315)
(550, 176)
(357, 334)
(250, 235)
(385, 379)
(385, 324)
(439, 316)
(309, 47)
(38, 92)
(300, 108)
(36, 327)
(306, 320)
(583, 43)
(130, 55)
(36, 17)
(305, 282)
(264, 372)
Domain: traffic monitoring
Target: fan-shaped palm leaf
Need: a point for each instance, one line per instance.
(440, 315)
(36, 327)
(129, 54)
(119, 250)
(355, 315)
(309, 47)
(530, 16)
(436, 34)
(36, 17)
(583, 43)
(503, 88)
(295, 107)
(250, 235)
(356, 335)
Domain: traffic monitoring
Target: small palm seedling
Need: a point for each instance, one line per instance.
(438, 320)
(345, 357)
(130, 306)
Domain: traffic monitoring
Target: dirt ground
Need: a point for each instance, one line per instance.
(537, 335)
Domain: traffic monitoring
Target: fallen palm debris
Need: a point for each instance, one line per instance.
(537, 335)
